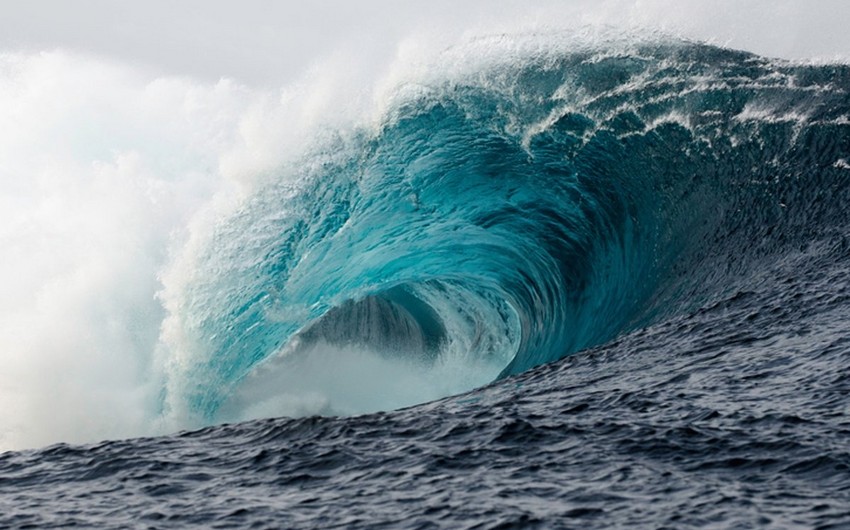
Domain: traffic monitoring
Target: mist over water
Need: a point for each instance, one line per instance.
(119, 167)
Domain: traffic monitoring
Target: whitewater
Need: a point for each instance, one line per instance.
(544, 277)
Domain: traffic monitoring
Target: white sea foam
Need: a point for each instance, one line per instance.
(105, 176)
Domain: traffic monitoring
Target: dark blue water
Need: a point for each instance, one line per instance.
(639, 250)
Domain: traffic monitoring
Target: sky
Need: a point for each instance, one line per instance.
(273, 42)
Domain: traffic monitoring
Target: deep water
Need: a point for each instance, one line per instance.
(625, 263)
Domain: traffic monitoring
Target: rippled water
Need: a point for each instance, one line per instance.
(639, 250)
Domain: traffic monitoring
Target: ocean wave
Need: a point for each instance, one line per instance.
(504, 212)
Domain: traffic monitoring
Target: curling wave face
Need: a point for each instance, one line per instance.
(544, 202)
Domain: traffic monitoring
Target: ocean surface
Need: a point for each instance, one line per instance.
(557, 284)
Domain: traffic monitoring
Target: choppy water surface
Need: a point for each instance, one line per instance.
(628, 263)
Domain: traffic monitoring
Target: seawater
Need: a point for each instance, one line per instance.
(599, 285)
